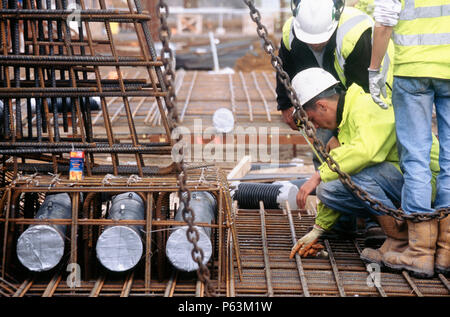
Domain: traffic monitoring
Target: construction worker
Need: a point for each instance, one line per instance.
(326, 34)
(365, 149)
(421, 35)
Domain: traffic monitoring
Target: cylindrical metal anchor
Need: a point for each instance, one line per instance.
(119, 248)
(178, 247)
(41, 247)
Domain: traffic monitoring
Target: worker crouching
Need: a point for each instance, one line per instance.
(366, 149)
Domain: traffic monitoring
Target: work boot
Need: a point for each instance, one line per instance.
(396, 240)
(374, 235)
(442, 259)
(418, 257)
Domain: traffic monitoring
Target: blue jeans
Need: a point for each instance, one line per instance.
(382, 182)
(413, 100)
(345, 222)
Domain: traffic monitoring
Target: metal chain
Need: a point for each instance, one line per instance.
(304, 123)
(167, 58)
(183, 191)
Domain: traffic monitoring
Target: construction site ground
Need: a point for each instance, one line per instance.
(265, 242)
(265, 237)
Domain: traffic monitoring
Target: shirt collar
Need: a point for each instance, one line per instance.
(340, 108)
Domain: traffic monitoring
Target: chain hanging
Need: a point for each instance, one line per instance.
(184, 193)
(167, 58)
(310, 130)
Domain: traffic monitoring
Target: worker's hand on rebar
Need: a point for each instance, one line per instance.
(332, 144)
(308, 241)
(377, 86)
(306, 189)
(288, 118)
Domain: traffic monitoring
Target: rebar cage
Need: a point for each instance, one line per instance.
(21, 199)
(60, 72)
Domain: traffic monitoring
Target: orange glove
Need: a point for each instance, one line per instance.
(305, 243)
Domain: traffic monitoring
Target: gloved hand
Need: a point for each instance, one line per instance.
(377, 85)
(307, 241)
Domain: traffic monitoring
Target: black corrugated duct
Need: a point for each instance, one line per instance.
(248, 195)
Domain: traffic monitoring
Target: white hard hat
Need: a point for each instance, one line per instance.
(311, 82)
(316, 20)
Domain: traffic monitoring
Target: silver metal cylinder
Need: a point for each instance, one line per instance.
(41, 247)
(288, 192)
(178, 247)
(119, 248)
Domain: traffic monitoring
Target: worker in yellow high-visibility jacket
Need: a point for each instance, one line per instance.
(366, 149)
(334, 37)
(337, 38)
(420, 30)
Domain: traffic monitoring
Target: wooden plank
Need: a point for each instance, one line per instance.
(241, 169)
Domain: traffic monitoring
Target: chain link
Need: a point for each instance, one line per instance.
(183, 191)
(304, 123)
(167, 58)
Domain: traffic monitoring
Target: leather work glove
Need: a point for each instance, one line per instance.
(377, 85)
(305, 243)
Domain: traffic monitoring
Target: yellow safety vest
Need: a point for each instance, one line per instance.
(352, 25)
(422, 39)
(288, 35)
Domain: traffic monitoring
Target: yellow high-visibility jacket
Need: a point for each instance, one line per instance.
(422, 39)
(367, 136)
(352, 24)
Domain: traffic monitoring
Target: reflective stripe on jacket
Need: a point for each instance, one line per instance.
(352, 24)
(422, 39)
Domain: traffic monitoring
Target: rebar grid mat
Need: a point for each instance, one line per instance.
(87, 223)
(59, 60)
(342, 274)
